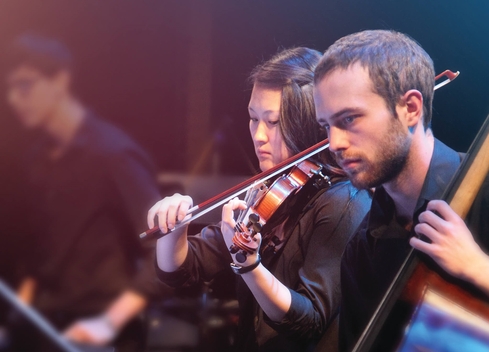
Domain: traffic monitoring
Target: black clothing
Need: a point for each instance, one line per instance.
(316, 233)
(89, 206)
(380, 245)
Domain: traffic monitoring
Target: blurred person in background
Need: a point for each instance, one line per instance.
(89, 189)
(289, 288)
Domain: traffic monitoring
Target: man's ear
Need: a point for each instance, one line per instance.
(412, 102)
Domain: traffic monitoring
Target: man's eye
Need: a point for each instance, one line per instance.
(349, 119)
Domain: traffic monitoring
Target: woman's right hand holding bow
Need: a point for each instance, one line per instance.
(171, 250)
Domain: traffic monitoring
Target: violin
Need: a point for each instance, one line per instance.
(233, 192)
(264, 202)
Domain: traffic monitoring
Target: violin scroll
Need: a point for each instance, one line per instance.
(244, 242)
(264, 203)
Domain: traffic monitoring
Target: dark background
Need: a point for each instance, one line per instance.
(172, 73)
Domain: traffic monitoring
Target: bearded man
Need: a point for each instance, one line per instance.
(373, 94)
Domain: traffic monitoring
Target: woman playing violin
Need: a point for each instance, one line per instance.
(288, 289)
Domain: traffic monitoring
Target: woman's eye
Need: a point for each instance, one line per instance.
(254, 119)
(273, 123)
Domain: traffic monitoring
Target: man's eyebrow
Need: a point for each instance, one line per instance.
(336, 115)
(345, 111)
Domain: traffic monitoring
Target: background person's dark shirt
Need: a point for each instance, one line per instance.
(88, 208)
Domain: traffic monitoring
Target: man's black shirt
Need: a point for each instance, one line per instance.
(380, 245)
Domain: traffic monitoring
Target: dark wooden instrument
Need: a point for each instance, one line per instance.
(419, 274)
(229, 194)
(266, 205)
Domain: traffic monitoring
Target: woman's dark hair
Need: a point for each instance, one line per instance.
(292, 72)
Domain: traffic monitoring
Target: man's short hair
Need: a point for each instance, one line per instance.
(396, 63)
(47, 55)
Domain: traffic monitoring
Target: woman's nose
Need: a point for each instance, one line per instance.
(260, 134)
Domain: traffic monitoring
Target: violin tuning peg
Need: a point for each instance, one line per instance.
(257, 227)
(323, 178)
(254, 218)
(241, 256)
(327, 179)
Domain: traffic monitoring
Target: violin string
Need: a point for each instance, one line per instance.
(250, 199)
(247, 201)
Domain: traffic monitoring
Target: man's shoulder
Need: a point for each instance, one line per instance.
(101, 136)
(343, 191)
(107, 133)
(443, 154)
(444, 163)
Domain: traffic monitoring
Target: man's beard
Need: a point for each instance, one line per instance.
(390, 159)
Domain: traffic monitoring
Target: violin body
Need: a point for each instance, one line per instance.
(265, 203)
(283, 187)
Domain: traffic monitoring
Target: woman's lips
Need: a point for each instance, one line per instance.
(262, 153)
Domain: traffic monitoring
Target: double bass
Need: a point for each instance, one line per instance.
(423, 299)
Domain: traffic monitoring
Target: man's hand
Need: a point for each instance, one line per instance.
(27, 290)
(452, 245)
(104, 328)
(95, 331)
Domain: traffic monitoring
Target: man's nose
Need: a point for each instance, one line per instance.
(338, 139)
